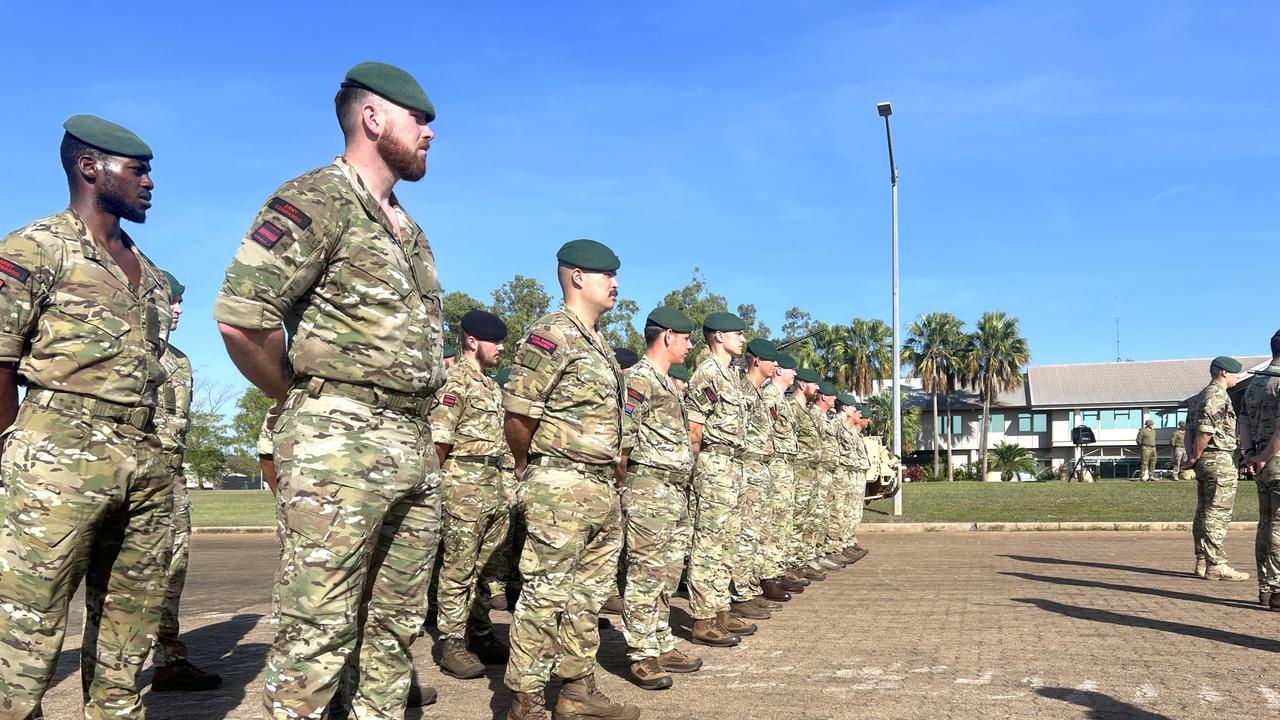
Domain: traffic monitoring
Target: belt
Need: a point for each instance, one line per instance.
(755, 456)
(486, 460)
(719, 449)
(679, 479)
(138, 417)
(418, 404)
(175, 460)
(604, 471)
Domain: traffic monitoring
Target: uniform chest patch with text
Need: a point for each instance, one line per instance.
(711, 394)
(542, 343)
(635, 395)
(268, 234)
(285, 208)
(14, 270)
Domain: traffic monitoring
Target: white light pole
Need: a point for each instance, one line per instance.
(885, 111)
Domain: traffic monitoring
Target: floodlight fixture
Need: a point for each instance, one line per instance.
(885, 109)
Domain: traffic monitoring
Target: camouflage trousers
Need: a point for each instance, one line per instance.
(717, 483)
(573, 526)
(87, 498)
(801, 550)
(1217, 479)
(360, 507)
(169, 649)
(476, 525)
(1147, 463)
(782, 498)
(752, 512)
(820, 507)
(1179, 457)
(1266, 543)
(657, 517)
(854, 508)
(838, 510)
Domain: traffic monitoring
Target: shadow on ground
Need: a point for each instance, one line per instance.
(214, 648)
(1106, 616)
(1100, 706)
(1158, 592)
(1099, 565)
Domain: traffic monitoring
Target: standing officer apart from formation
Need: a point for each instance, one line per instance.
(564, 404)
(1209, 450)
(84, 320)
(466, 425)
(1147, 451)
(1260, 437)
(657, 458)
(1177, 443)
(335, 260)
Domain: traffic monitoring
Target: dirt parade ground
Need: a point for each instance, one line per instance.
(930, 625)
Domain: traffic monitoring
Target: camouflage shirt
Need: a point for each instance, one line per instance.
(828, 442)
(1211, 412)
(1178, 438)
(847, 455)
(1147, 437)
(1262, 407)
(565, 377)
(173, 411)
(360, 305)
(70, 320)
(808, 431)
(468, 413)
(783, 414)
(757, 436)
(714, 400)
(655, 426)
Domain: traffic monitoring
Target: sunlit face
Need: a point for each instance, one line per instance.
(808, 390)
(599, 289)
(733, 342)
(677, 345)
(124, 188)
(175, 312)
(405, 141)
(487, 353)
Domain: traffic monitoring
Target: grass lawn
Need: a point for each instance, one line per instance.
(1113, 501)
(1106, 501)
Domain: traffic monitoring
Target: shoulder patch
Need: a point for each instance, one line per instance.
(14, 270)
(449, 400)
(268, 234)
(629, 409)
(774, 412)
(711, 393)
(286, 208)
(635, 394)
(542, 343)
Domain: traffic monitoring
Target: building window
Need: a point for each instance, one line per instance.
(953, 424)
(1123, 419)
(996, 423)
(1032, 422)
(1169, 418)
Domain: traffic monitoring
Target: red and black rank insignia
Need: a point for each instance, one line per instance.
(287, 209)
(14, 270)
(268, 234)
(635, 395)
(711, 394)
(449, 400)
(774, 412)
(542, 343)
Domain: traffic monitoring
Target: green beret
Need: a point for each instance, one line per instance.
(588, 255)
(863, 408)
(392, 83)
(176, 289)
(502, 375)
(107, 136)
(679, 372)
(1230, 364)
(826, 388)
(483, 325)
(450, 351)
(808, 375)
(669, 319)
(723, 322)
(786, 362)
(763, 349)
(846, 399)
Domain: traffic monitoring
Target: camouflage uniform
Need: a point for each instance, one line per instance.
(656, 505)
(566, 378)
(1147, 451)
(173, 415)
(1210, 412)
(1177, 443)
(714, 400)
(842, 487)
(1262, 410)
(782, 412)
(358, 473)
(828, 468)
(807, 481)
(477, 516)
(753, 501)
(857, 487)
(89, 491)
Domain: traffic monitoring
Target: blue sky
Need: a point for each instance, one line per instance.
(1063, 162)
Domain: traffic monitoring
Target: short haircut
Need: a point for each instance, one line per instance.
(72, 149)
(652, 333)
(344, 105)
(708, 335)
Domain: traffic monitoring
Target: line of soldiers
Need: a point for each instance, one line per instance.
(332, 306)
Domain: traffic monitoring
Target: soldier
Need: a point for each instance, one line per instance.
(1209, 451)
(173, 413)
(861, 473)
(1147, 450)
(1260, 436)
(657, 459)
(778, 562)
(90, 492)
(851, 483)
(626, 357)
(824, 503)
(679, 375)
(450, 355)
(807, 468)
(1177, 443)
(563, 422)
(466, 426)
(504, 570)
(336, 259)
(716, 421)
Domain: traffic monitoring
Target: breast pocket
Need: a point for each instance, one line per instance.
(83, 333)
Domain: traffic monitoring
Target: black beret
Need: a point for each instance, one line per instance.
(588, 255)
(763, 349)
(626, 357)
(808, 375)
(669, 319)
(483, 325)
(723, 322)
(392, 83)
(679, 372)
(107, 136)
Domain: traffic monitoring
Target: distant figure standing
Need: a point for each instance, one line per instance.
(1147, 448)
(1177, 442)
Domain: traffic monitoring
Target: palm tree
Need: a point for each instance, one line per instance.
(933, 342)
(993, 363)
(863, 353)
(1011, 460)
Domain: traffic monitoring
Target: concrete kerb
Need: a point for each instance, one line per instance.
(891, 527)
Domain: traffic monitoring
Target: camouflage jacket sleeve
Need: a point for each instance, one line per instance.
(26, 276)
(451, 399)
(700, 403)
(639, 391)
(541, 358)
(1215, 408)
(173, 409)
(280, 258)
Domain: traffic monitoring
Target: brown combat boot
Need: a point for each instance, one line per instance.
(488, 649)
(771, 606)
(526, 706)
(774, 592)
(737, 626)
(748, 609)
(707, 632)
(789, 586)
(812, 574)
(580, 699)
(612, 606)
(678, 662)
(795, 577)
(458, 661)
(650, 675)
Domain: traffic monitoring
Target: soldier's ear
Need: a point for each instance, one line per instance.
(88, 167)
